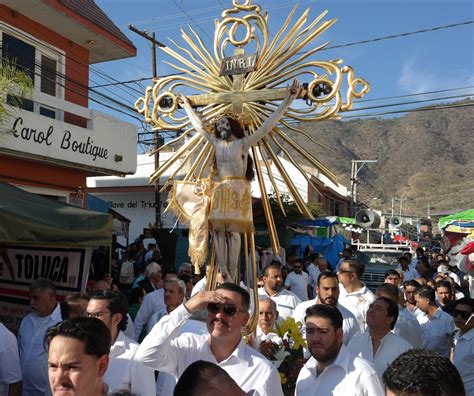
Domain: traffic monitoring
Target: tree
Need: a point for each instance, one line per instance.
(15, 84)
(291, 210)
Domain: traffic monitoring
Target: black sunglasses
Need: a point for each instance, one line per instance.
(463, 314)
(228, 309)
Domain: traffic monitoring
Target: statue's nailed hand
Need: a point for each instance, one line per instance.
(293, 90)
(182, 100)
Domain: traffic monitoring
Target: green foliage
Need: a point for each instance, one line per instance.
(15, 83)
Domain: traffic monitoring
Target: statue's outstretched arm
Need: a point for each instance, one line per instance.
(292, 92)
(194, 118)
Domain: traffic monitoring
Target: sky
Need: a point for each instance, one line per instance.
(415, 64)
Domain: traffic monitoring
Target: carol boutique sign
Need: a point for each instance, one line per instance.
(108, 145)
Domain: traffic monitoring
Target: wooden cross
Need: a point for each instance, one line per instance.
(237, 96)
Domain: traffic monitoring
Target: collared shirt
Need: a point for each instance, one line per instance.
(350, 326)
(33, 355)
(357, 302)
(347, 375)
(10, 370)
(152, 302)
(391, 346)
(285, 300)
(260, 336)
(437, 332)
(298, 284)
(313, 273)
(408, 328)
(409, 274)
(162, 351)
(124, 372)
(464, 359)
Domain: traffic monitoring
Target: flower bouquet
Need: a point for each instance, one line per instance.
(287, 356)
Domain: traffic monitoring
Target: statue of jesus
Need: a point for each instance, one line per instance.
(230, 211)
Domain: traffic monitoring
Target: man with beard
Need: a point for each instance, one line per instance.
(273, 288)
(333, 369)
(227, 309)
(123, 372)
(327, 293)
(78, 356)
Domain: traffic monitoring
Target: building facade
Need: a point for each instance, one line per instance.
(55, 141)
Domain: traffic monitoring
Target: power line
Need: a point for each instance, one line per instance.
(431, 108)
(397, 35)
(376, 39)
(191, 19)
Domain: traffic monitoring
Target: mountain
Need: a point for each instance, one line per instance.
(426, 157)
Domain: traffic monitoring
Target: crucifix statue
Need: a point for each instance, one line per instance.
(244, 98)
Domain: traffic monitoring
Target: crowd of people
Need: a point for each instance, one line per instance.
(149, 331)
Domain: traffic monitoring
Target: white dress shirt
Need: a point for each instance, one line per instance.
(152, 302)
(357, 302)
(313, 273)
(10, 369)
(391, 346)
(285, 300)
(408, 328)
(33, 355)
(347, 375)
(350, 326)
(162, 350)
(298, 284)
(260, 336)
(437, 332)
(464, 359)
(124, 372)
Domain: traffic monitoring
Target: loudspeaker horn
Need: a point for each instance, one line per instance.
(395, 221)
(366, 218)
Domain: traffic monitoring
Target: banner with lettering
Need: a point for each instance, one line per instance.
(67, 268)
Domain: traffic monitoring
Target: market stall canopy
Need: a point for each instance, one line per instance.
(31, 219)
(462, 219)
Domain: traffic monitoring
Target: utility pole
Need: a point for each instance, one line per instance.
(158, 139)
(355, 169)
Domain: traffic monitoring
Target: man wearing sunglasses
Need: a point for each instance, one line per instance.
(463, 359)
(227, 309)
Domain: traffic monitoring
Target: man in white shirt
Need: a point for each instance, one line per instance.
(407, 326)
(408, 272)
(393, 276)
(297, 281)
(267, 316)
(333, 369)
(78, 356)
(327, 292)
(227, 315)
(410, 287)
(346, 254)
(33, 356)
(152, 302)
(354, 295)
(421, 372)
(272, 287)
(10, 369)
(175, 293)
(379, 345)
(316, 266)
(438, 326)
(123, 372)
(463, 357)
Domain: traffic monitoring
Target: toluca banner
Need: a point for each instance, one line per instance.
(67, 268)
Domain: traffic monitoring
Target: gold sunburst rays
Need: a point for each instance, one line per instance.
(256, 93)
